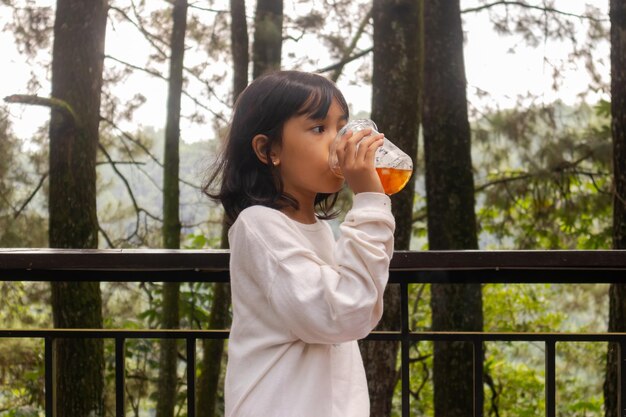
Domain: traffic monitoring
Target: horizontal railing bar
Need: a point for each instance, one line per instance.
(500, 336)
(217, 260)
(114, 333)
(92, 275)
(511, 276)
(484, 276)
(376, 335)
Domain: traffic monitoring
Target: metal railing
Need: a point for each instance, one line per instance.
(457, 267)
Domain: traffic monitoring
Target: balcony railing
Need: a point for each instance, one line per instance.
(455, 267)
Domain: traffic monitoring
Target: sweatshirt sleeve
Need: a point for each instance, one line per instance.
(321, 303)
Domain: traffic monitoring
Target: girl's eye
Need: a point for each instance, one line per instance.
(318, 129)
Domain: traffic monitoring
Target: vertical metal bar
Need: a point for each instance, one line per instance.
(49, 377)
(479, 392)
(404, 347)
(120, 368)
(550, 378)
(191, 377)
(621, 378)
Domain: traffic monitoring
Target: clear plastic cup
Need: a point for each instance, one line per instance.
(393, 166)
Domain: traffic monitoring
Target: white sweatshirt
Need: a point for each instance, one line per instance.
(300, 301)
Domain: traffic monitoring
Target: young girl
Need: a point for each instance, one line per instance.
(300, 300)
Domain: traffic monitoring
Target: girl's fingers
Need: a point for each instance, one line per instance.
(367, 148)
(351, 144)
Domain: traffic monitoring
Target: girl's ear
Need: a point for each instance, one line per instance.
(260, 144)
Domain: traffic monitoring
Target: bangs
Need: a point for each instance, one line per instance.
(319, 100)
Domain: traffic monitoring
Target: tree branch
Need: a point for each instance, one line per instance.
(185, 93)
(106, 237)
(30, 197)
(138, 210)
(559, 168)
(51, 102)
(206, 9)
(154, 73)
(592, 176)
(208, 87)
(420, 292)
(425, 372)
(132, 139)
(128, 137)
(139, 25)
(494, 393)
(120, 163)
(352, 46)
(6, 200)
(503, 180)
(343, 62)
(529, 6)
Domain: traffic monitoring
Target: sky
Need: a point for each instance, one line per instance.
(490, 66)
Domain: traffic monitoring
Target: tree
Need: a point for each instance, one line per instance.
(617, 292)
(77, 62)
(395, 109)
(239, 46)
(450, 200)
(168, 377)
(213, 349)
(268, 37)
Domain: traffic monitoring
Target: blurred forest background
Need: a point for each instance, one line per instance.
(114, 110)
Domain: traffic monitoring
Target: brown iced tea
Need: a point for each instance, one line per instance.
(393, 179)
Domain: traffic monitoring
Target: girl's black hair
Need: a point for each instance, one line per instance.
(263, 108)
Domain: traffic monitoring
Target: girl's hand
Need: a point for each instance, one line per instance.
(357, 162)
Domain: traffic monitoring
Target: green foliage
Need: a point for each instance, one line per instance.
(514, 372)
(553, 190)
(579, 377)
(421, 385)
(25, 305)
(515, 387)
(21, 377)
(201, 241)
(521, 308)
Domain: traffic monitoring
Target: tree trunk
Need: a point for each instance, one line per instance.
(171, 222)
(211, 366)
(239, 46)
(171, 194)
(617, 292)
(450, 199)
(208, 381)
(168, 378)
(268, 37)
(395, 110)
(77, 63)
(78, 364)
